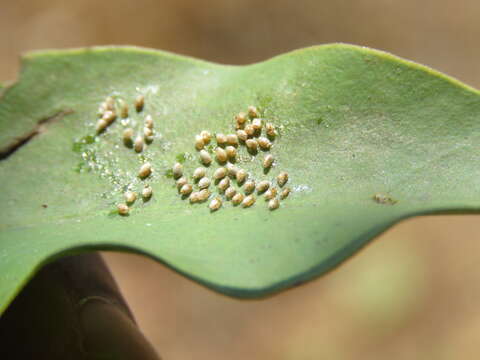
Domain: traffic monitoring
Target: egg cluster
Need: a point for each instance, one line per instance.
(228, 181)
(108, 112)
(224, 173)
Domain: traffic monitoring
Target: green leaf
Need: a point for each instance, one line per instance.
(367, 139)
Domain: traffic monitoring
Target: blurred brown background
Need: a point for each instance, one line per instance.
(411, 294)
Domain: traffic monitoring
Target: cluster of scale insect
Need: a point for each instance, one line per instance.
(220, 155)
(134, 136)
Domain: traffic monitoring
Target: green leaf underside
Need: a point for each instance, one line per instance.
(354, 122)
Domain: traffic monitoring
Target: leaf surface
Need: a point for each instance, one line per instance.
(368, 139)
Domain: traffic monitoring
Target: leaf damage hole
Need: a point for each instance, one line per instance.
(384, 199)
(18, 142)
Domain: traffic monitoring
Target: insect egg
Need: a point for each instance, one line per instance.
(101, 125)
(220, 173)
(221, 139)
(128, 136)
(268, 161)
(203, 195)
(204, 183)
(109, 116)
(199, 142)
(257, 125)
(109, 103)
(282, 178)
(231, 152)
(252, 145)
(273, 204)
(177, 170)
(138, 145)
(186, 189)
(270, 130)
(232, 139)
(241, 176)
(123, 209)
(206, 136)
(264, 143)
(139, 103)
(205, 157)
(270, 193)
(123, 109)
(249, 129)
(147, 132)
(285, 192)
(230, 192)
(199, 173)
(241, 118)
(145, 170)
(180, 182)
(248, 201)
(147, 192)
(130, 197)
(231, 169)
(252, 111)
(194, 197)
(224, 184)
(263, 186)
(215, 204)
(242, 135)
(249, 187)
(149, 121)
(221, 155)
(237, 199)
